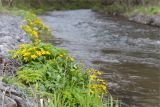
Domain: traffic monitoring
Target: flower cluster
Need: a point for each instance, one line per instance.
(63, 56)
(28, 52)
(35, 28)
(31, 32)
(34, 21)
(97, 85)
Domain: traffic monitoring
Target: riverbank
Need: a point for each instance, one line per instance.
(10, 37)
(149, 15)
(152, 20)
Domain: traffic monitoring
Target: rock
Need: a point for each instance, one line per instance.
(10, 33)
(7, 101)
(145, 19)
(9, 97)
(156, 21)
(20, 102)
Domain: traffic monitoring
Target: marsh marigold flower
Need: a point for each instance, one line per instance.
(93, 77)
(35, 34)
(33, 56)
(72, 59)
(39, 53)
(26, 54)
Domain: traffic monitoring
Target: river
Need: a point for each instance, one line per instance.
(127, 53)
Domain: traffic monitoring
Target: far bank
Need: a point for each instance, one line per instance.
(147, 12)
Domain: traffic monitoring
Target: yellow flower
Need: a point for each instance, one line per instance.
(28, 29)
(43, 52)
(24, 51)
(48, 53)
(35, 34)
(92, 77)
(26, 54)
(104, 87)
(72, 59)
(38, 21)
(33, 56)
(99, 73)
(100, 80)
(39, 53)
(60, 55)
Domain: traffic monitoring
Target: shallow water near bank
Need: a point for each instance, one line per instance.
(127, 53)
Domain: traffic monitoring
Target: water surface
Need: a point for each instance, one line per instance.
(127, 53)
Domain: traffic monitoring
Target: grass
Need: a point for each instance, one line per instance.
(149, 10)
(123, 9)
(2, 9)
(13, 10)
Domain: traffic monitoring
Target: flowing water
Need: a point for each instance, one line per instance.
(127, 53)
